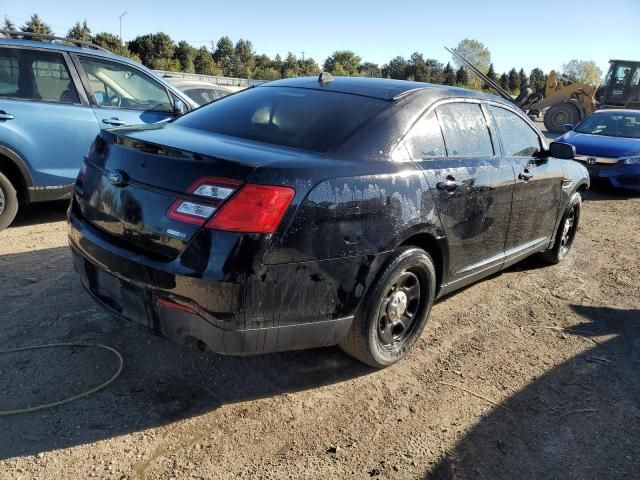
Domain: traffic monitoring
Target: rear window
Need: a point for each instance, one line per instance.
(292, 117)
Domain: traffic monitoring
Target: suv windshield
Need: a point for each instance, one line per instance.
(612, 124)
(292, 117)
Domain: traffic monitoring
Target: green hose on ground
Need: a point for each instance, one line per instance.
(74, 397)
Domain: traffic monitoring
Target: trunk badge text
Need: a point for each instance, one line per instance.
(117, 178)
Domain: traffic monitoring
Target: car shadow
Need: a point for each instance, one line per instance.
(602, 190)
(160, 384)
(580, 420)
(45, 212)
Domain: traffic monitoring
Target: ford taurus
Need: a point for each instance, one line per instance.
(317, 211)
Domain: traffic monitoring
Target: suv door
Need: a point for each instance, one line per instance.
(44, 114)
(123, 94)
(538, 189)
(471, 187)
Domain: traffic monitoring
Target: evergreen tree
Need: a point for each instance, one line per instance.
(397, 68)
(491, 73)
(9, 25)
(449, 76)
(155, 50)
(537, 80)
(370, 69)
(36, 25)
(223, 54)
(462, 77)
(185, 54)
(204, 64)
(504, 81)
(513, 83)
(308, 66)
(523, 79)
(80, 32)
(243, 59)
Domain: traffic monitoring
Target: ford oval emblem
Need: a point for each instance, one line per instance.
(116, 178)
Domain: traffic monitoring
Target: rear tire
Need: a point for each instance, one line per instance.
(560, 114)
(8, 202)
(394, 311)
(566, 231)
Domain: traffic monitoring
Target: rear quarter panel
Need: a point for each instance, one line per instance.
(359, 215)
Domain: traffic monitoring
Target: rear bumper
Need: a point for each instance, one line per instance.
(141, 306)
(275, 309)
(621, 176)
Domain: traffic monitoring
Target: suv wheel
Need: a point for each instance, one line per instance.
(8, 202)
(395, 310)
(566, 232)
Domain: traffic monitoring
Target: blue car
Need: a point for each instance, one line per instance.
(54, 100)
(608, 143)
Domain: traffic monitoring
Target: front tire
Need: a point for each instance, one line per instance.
(395, 310)
(566, 231)
(8, 202)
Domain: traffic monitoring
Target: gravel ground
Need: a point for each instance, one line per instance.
(533, 373)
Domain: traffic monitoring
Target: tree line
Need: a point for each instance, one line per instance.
(160, 52)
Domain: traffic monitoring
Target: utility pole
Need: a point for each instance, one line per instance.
(120, 17)
(303, 55)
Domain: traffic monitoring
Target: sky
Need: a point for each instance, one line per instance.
(541, 33)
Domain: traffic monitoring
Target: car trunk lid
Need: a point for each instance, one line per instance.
(131, 183)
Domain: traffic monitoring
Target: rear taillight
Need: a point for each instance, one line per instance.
(254, 209)
(249, 209)
(213, 190)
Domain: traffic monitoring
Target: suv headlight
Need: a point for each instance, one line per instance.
(630, 160)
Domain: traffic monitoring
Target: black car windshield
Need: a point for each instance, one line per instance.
(292, 117)
(612, 124)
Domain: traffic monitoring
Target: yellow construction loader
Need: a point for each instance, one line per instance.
(565, 101)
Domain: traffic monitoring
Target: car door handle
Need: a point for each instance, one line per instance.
(449, 185)
(526, 175)
(6, 116)
(116, 122)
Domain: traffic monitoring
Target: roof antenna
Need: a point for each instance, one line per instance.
(325, 77)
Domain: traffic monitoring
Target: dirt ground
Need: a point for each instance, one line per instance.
(531, 374)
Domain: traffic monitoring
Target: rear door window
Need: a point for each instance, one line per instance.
(302, 118)
(465, 130)
(35, 75)
(518, 138)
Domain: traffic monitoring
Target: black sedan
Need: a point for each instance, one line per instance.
(317, 211)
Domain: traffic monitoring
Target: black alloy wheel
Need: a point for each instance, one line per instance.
(394, 311)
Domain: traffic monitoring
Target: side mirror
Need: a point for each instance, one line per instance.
(568, 127)
(563, 151)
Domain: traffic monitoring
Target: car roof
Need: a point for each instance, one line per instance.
(381, 88)
(20, 42)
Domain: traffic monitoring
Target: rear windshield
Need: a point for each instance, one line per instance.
(293, 117)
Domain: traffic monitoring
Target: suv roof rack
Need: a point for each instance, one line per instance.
(51, 38)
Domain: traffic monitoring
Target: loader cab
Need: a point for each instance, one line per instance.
(621, 86)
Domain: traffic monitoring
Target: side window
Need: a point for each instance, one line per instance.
(465, 130)
(200, 95)
(518, 138)
(425, 139)
(117, 85)
(35, 75)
